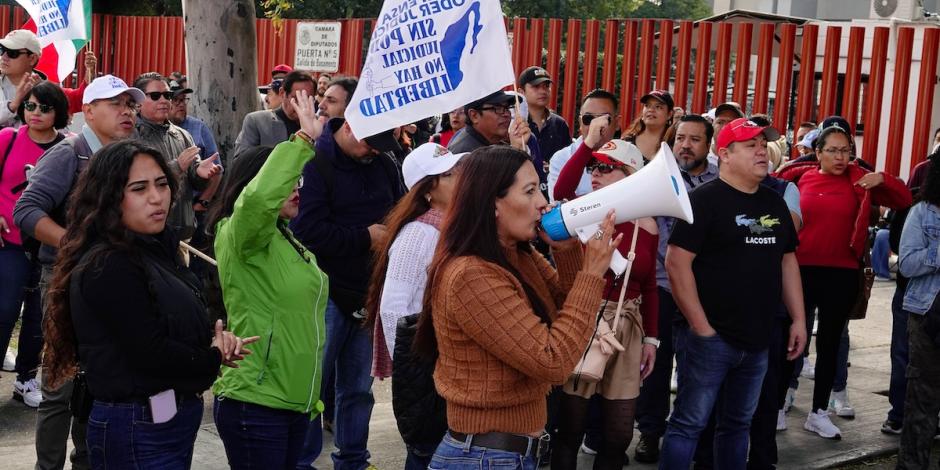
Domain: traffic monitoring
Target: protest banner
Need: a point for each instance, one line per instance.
(63, 28)
(428, 57)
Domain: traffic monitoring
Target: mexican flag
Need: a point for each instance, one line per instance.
(63, 27)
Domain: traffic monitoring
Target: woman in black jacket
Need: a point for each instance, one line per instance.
(126, 312)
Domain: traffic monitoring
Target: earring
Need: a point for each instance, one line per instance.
(428, 197)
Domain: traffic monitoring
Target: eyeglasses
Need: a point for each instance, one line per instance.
(496, 109)
(587, 118)
(13, 53)
(603, 168)
(300, 182)
(836, 151)
(119, 103)
(155, 95)
(43, 108)
(181, 100)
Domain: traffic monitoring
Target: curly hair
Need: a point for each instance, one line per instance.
(94, 227)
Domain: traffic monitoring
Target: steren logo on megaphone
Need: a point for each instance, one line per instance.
(655, 190)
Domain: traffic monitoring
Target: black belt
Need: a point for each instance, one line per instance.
(524, 445)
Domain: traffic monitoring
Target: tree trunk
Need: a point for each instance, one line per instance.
(221, 64)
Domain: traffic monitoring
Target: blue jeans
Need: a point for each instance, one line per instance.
(256, 436)
(349, 348)
(709, 367)
(900, 350)
(452, 454)
(879, 254)
(123, 436)
(19, 287)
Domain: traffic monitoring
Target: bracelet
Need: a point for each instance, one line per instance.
(650, 340)
(304, 136)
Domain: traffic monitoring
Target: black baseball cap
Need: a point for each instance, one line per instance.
(662, 96)
(534, 75)
(178, 89)
(723, 107)
(499, 97)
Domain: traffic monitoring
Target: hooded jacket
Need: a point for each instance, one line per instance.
(274, 289)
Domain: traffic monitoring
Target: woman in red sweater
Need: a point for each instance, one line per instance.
(836, 199)
(637, 328)
(503, 324)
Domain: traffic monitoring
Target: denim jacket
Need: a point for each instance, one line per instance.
(920, 257)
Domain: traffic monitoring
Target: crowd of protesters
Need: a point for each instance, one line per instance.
(323, 261)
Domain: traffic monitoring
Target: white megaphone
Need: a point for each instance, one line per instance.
(656, 190)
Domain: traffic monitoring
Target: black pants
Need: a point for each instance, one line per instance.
(922, 402)
(832, 291)
(763, 452)
(653, 403)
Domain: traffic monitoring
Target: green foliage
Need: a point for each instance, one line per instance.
(676, 9)
(319, 9)
(570, 9)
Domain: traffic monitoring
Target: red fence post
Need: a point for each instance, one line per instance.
(5, 19)
(703, 58)
(518, 44)
(722, 63)
(554, 57)
(926, 85)
(683, 58)
(611, 41)
(827, 89)
(765, 55)
(644, 76)
(874, 95)
(535, 40)
(591, 43)
(805, 97)
(358, 29)
(853, 76)
(570, 97)
(664, 70)
(742, 64)
(902, 78)
(784, 77)
(628, 73)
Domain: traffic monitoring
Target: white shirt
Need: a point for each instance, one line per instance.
(558, 162)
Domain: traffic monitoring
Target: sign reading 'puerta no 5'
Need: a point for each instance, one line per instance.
(317, 46)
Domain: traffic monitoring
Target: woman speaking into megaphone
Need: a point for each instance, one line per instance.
(634, 340)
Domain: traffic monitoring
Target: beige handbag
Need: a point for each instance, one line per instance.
(604, 341)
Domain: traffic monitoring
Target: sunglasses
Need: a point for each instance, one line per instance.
(603, 168)
(13, 53)
(587, 118)
(43, 108)
(155, 95)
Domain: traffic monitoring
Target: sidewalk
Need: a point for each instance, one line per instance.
(861, 438)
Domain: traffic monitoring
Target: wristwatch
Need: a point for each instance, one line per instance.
(650, 340)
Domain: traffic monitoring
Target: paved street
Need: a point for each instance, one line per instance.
(868, 385)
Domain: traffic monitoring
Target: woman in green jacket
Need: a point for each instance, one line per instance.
(271, 285)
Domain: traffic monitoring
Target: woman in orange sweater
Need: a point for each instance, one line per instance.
(502, 323)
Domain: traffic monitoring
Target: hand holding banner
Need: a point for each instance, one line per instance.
(429, 57)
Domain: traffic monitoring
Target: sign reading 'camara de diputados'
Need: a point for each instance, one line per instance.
(317, 46)
(428, 57)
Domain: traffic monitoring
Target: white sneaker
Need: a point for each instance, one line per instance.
(839, 403)
(819, 423)
(781, 421)
(28, 392)
(788, 401)
(809, 370)
(9, 361)
(587, 450)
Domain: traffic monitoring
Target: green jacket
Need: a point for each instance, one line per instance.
(273, 291)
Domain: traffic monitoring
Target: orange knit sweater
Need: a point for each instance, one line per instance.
(496, 360)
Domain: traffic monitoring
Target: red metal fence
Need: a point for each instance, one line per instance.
(702, 64)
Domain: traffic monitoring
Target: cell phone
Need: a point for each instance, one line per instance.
(163, 406)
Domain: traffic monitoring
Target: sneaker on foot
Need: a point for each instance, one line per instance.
(9, 361)
(891, 427)
(587, 450)
(839, 403)
(788, 401)
(647, 449)
(28, 392)
(781, 421)
(809, 370)
(819, 423)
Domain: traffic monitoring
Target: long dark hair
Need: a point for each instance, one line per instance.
(242, 171)
(470, 229)
(94, 226)
(930, 191)
(409, 208)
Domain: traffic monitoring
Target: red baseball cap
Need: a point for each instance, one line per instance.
(282, 68)
(743, 129)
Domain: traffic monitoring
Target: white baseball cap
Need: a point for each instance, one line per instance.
(22, 39)
(427, 160)
(620, 151)
(109, 86)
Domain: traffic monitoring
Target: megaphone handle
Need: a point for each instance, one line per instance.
(626, 274)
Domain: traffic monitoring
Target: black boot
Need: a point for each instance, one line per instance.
(647, 449)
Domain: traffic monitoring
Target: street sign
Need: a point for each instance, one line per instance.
(317, 48)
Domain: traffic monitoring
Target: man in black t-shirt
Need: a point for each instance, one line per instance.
(729, 270)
